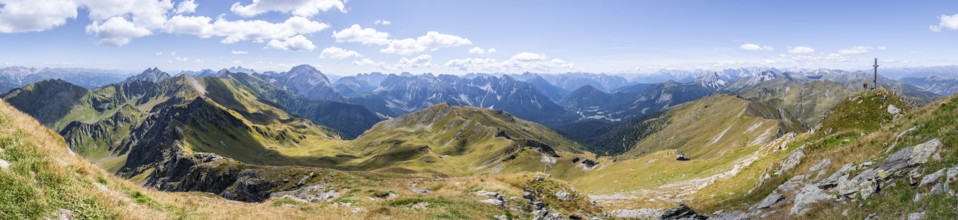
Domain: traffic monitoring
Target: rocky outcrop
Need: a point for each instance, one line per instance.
(539, 146)
(681, 212)
(793, 160)
(493, 198)
(586, 164)
(682, 157)
(907, 159)
(851, 182)
(314, 193)
(770, 200)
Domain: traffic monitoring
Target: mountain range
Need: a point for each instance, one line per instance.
(735, 144)
(18, 76)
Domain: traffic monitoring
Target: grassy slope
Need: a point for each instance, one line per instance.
(806, 101)
(705, 128)
(45, 177)
(696, 129)
(454, 140)
(108, 115)
(844, 138)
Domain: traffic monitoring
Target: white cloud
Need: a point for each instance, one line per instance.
(526, 57)
(239, 52)
(855, 50)
(159, 53)
(382, 22)
(424, 60)
(369, 36)
(249, 30)
(302, 8)
(338, 53)
(358, 34)
(756, 47)
(404, 63)
(295, 43)
(32, 15)
(949, 22)
(193, 25)
(116, 22)
(474, 64)
(182, 59)
(369, 62)
(882, 48)
(116, 31)
(524, 61)
(801, 49)
(185, 7)
(477, 50)
(431, 41)
(258, 30)
(148, 14)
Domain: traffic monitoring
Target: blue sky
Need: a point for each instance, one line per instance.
(437, 36)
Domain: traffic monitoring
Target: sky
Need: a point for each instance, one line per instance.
(456, 37)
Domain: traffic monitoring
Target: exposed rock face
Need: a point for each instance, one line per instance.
(810, 189)
(932, 178)
(493, 198)
(770, 200)
(809, 194)
(793, 160)
(893, 110)
(916, 216)
(314, 193)
(586, 164)
(681, 212)
(683, 157)
(905, 160)
(832, 181)
(865, 184)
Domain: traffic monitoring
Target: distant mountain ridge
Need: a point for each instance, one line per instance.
(400, 94)
(17, 76)
(305, 80)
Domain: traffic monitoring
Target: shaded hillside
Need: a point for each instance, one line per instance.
(48, 101)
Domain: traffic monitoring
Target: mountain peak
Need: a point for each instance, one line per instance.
(307, 81)
(153, 74)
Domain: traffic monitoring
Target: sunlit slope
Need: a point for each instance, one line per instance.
(44, 180)
(453, 140)
(719, 133)
(708, 127)
(215, 115)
